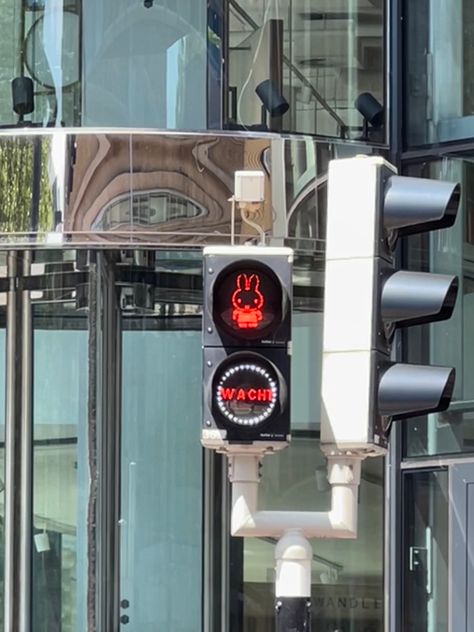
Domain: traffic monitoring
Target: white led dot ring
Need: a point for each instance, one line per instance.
(259, 372)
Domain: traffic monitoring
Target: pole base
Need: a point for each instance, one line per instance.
(293, 614)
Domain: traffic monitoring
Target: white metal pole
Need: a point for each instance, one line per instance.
(293, 556)
(293, 553)
(339, 522)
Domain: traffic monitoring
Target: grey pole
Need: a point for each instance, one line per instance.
(26, 455)
(11, 451)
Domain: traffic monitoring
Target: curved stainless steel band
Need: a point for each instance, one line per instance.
(72, 188)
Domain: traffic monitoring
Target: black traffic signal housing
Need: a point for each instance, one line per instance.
(246, 334)
(367, 298)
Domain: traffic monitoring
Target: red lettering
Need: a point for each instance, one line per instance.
(242, 394)
(227, 393)
(262, 394)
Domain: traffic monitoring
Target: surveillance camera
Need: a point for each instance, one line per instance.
(272, 99)
(23, 95)
(370, 108)
(147, 4)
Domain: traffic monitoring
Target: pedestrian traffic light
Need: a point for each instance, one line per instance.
(247, 303)
(367, 298)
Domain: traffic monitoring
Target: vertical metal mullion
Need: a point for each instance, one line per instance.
(276, 54)
(394, 77)
(93, 420)
(108, 447)
(115, 438)
(225, 550)
(26, 456)
(18, 449)
(208, 541)
(225, 113)
(394, 515)
(11, 456)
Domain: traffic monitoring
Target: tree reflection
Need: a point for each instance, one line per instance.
(25, 191)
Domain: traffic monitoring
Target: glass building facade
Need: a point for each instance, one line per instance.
(121, 126)
(193, 65)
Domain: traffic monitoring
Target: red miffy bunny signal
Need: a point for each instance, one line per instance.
(247, 302)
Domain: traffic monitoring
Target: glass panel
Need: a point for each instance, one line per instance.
(448, 343)
(161, 64)
(425, 559)
(300, 66)
(10, 64)
(112, 63)
(161, 469)
(439, 57)
(306, 372)
(144, 63)
(60, 458)
(347, 576)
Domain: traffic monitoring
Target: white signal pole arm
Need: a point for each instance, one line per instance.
(339, 522)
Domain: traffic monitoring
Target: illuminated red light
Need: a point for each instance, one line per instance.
(247, 301)
(246, 394)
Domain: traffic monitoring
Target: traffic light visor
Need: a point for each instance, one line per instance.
(418, 205)
(408, 390)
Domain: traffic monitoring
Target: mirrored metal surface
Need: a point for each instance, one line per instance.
(64, 187)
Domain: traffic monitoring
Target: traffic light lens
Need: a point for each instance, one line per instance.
(246, 391)
(247, 301)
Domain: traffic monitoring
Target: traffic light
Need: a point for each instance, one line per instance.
(367, 298)
(247, 307)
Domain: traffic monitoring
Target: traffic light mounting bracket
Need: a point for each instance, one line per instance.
(293, 552)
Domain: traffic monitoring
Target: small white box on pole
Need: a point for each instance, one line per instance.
(249, 186)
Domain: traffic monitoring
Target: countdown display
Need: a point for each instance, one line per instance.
(246, 391)
(247, 301)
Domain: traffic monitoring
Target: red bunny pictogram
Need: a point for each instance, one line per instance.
(247, 302)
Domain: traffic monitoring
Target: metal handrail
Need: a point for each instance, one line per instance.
(287, 61)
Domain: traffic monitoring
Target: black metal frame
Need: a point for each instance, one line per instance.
(404, 156)
(106, 346)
